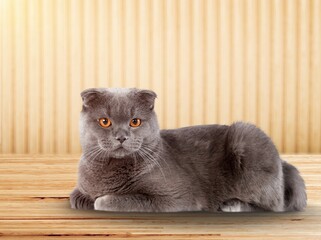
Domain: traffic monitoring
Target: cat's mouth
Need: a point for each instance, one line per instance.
(120, 151)
(120, 147)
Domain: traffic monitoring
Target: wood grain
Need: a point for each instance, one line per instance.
(185, 66)
(210, 61)
(34, 204)
(48, 76)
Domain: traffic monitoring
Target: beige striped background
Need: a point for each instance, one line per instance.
(209, 61)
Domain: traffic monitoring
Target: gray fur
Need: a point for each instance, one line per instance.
(198, 168)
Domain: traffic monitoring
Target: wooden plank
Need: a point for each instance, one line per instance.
(61, 98)
(251, 51)
(144, 43)
(277, 80)
(89, 13)
(225, 63)
(151, 49)
(76, 70)
(302, 143)
(7, 54)
(20, 77)
(48, 76)
(290, 101)
(131, 43)
(34, 204)
(212, 61)
(116, 45)
(264, 66)
(238, 60)
(103, 38)
(315, 86)
(185, 63)
(198, 40)
(2, 9)
(171, 64)
(214, 224)
(163, 236)
(158, 48)
(34, 75)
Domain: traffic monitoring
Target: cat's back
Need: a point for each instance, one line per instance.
(200, 137)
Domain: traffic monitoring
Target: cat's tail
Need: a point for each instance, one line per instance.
(295, 198)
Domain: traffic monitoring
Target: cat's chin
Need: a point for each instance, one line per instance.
(120, 153)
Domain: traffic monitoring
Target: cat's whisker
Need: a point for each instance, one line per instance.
(135, 161)
(145, 168)
(106, 156)
(92, 152)
(152, 159)
(142, 157)
(97, 154)
(147, 165)
(157, 155)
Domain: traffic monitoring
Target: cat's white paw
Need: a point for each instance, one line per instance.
(236, 207)
(101, 203)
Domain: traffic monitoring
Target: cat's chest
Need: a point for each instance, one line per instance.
(116, 177)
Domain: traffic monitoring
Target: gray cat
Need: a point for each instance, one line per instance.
(128, 164)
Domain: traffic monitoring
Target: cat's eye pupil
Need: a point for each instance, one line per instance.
(104, 122)
(135, 122)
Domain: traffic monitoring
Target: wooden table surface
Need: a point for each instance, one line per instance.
(34, 204)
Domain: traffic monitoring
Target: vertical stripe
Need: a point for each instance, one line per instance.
(143, 31)
(277, 82)
(265, 69)
(315, 84)
(89, 44)
(20, 76)
(116, 29)
(48, 78)
(103, 40)
(290, 101)
(224, 90)
(61, 78)
(131, 53)
(198, 66)
(251, 61)
(238, 58)
(7, 76)
(75, 73)
(33, 61)
(303, 81)
(210, 61)
(2, 5)
(185, 64)
(171, 64)
(157, 57)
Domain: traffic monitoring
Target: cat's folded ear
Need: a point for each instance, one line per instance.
(147, 97)
(91, 95)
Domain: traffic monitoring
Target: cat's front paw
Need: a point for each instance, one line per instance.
(104, 203)
(80, 201)
(231, 208)
(238, 206)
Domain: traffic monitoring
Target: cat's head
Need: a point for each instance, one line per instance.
(117, 121)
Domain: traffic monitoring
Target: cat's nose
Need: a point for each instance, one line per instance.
(121, 139)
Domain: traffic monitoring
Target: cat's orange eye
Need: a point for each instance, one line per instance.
(135, 122)
(104, 122)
